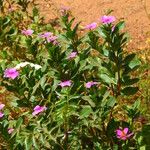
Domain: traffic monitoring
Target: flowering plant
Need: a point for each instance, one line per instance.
(65, 89)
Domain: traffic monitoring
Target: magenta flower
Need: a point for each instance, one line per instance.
(89, 84)
(107, 19)
(72, 55)
(38, 109)
(27, 32)
(46, 35)
(65, 83)
(11, 73)
(10, 130)
(123, 134)
(51, 38)
(91, 26)
(1, 114)
(2, 106)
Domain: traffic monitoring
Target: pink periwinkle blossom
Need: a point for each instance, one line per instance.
(10, 130)
(38, 109)
(89, 84)
(65, 83)
(64, 10)
(27, 32)
(107, 19)
(91, 26)
(11, 73)
(72, 55)
(2, 106)
(123, 134)
(46, 35)
(1, 114)
(51, 38)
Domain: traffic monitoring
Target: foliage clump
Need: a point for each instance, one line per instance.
(66, 89)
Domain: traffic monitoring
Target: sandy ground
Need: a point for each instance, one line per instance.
(87, 11)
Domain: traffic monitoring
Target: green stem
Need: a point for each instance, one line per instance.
(66, 124)
(118, 73)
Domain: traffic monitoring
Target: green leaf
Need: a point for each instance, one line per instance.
(28, 143)
(120, 25)
(111, 102)
(35, 11)
(83, 64)
(128, 81)
(86, 111)
(19, 123)
(35, 143)
(35, 87)
(6, 21)
(129, 58)
(94, 61)
(115, 147)
(4, 54)
(102, 32)
(146, 136)
(134, 63)
(130, 90)
(143, 147)
(89, 100)
(111, 127)
(12, 31)
(107, 79)
(42, 81)
(136, 105)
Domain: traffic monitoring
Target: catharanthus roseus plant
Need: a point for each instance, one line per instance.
(66, 89)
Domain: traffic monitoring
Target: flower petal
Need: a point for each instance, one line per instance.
(119, 132)
(125, 130)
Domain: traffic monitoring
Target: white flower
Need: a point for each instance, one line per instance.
(36, 66)
(21, 65)
(31, 64)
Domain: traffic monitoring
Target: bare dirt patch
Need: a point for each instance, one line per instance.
(87, 11)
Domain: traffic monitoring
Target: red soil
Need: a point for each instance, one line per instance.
(87, 11)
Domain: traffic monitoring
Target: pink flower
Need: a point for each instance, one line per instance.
(107, 19)
(72, 55)
(123, 134)
(64, 10)
(38, 109)
(27, 32)
(1, 114)
(65, 83)
(46, 35)
(51, 38)
(89, 84)
(11, 73)
(91, 26)
(2, 106)
(10, 130)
